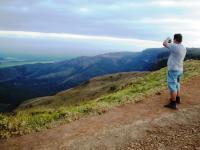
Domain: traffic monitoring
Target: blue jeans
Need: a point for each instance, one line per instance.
(173, 78)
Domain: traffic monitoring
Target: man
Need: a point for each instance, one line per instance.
(175, 68)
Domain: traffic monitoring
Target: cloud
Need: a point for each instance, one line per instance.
(177, 3)
(101, 24)
(67, 36)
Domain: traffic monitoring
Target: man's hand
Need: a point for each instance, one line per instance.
(165, 43)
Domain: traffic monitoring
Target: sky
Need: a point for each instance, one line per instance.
(85, 27)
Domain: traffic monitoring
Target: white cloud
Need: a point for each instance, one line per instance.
(112, 22)
(67, 36)
(188, 27)
(179, 3)
(84, 9)
(175, 23)
(175, 3)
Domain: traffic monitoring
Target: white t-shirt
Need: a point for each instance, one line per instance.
(176, 57)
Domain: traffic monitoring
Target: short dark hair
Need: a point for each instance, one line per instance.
(178, 37)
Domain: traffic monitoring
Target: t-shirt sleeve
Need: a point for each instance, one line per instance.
(170, 46)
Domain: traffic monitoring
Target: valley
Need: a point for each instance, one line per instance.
(20, 83)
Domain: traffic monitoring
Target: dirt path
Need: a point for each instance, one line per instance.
(144, 125)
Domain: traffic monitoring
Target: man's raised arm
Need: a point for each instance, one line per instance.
(166, 42)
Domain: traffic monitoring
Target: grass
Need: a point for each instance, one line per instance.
(89, 90)
(40, 118)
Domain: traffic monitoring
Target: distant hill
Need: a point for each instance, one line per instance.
(11, 62)
(20, 83)
(1, 58)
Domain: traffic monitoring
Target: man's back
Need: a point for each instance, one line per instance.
(176, 58)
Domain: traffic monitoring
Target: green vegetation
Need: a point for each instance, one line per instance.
(37, 118)
(89, 90)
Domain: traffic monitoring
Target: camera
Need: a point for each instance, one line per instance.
(169, 40)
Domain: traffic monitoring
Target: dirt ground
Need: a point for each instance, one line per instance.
(145, 125)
